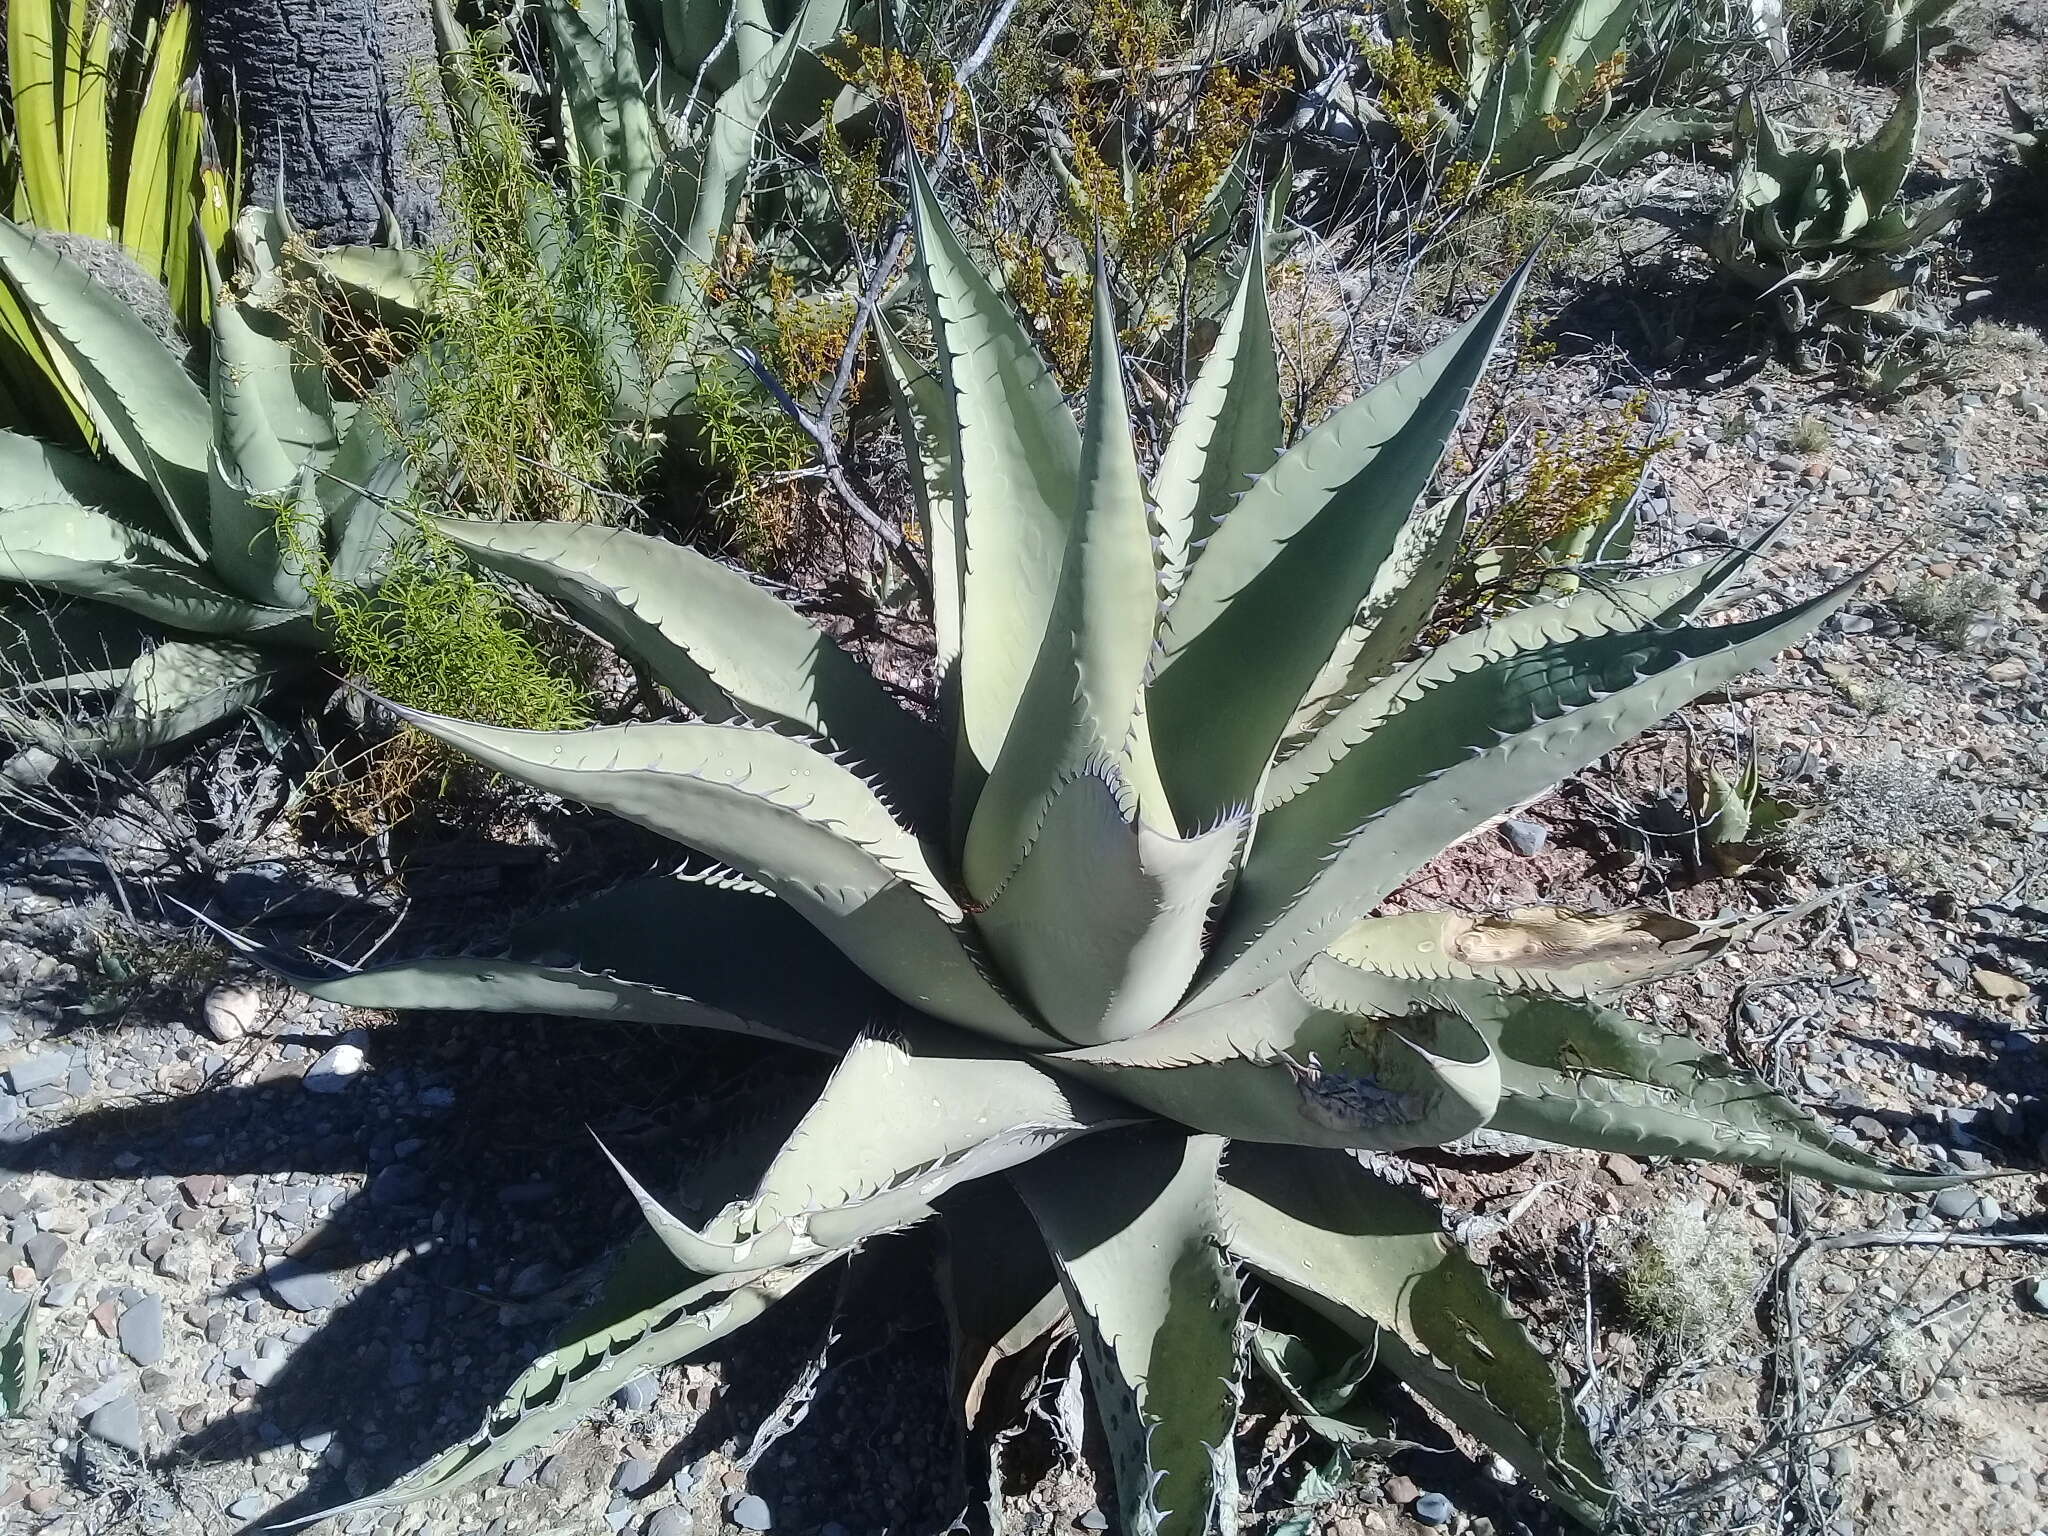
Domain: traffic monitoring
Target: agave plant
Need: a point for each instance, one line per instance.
(1822, 221)
(1100, 965)
(1541, 98)
(1892, 37)
(2027, 134)
(106, 147)
(194, 603)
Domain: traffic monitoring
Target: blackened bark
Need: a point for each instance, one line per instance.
(335, 95)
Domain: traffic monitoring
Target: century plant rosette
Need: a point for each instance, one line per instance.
(1097, 956)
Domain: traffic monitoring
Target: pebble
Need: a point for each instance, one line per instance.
(2034, 1293)
(302, 1289)
(45, 1069)
(248, 1506)
(142, 1331)
(750, 1513)
(1433, 1509)
(333, 1071)
(1956, 1203)
(45, 1251)
(231, 1012)
(118, 1423)
(1528, 838)
(633, 1475)
(671, 1521)
(638, 1395)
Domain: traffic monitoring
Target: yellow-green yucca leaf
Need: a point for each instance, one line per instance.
(1103, 956)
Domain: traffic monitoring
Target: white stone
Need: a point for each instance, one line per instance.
(232, 1011)
(330, 1074)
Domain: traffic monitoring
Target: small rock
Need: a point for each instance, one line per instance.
(637, 1395)
(633, 1475)
(332, 1072)
(750, 1513)
(2034, 1293)
(671, 1521)
(1093, 1520)
(231, 1012)
(1433, 1509)
(45, 1251)
(1402, 1490)
(2000, 987)
(2011, 670)
(119, 1423)
(45, 1069)
(248, 1506)
(1956, 1203)
(1528, 838)
(1622, 1168)
(142, 1331)
(301, 1289)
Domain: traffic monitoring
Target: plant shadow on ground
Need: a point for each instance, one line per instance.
(1999, 247)
(1673, 322)
(409, 1364)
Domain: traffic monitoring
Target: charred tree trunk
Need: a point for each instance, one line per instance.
(334, 95)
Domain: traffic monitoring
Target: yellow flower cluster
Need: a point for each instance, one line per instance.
(920, 91)
(1412, 87)
(1575, 480)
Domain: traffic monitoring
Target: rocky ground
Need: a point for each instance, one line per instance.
(276, 1253)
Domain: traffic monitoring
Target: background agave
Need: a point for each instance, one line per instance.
(1112, 940)
(1825, 219)
(194, 601)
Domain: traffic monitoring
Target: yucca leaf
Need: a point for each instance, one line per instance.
(1133, 1224)
(88, 64)
(598, 61)
(153, 197)
(1267, 602)
(1586, 1076)
(723, 645)
(1229, 431)
(152, 418)
(34, 48)
(1081, 703)
(809, 829)
(1102, 924)
(1019, 454)
(1455, 753)
(1371, 1258)
(1337, 1058)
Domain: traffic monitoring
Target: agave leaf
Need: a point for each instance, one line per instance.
(151, 417)
(387, 279)
(1539, 949)
(702, 953)
(1019, 455)
(1456, 752)
(1000, 1289)
(1586, 1076)
(45, 643)
(1321, 1371)
(1133, 1224)
(597, 52)
(1081, 703)
(1271, 596)
(1229, 431)
(275, 418)
(1876, 169)
(1334, 1058)
(21, 1359)
(70, 524)
(1102, 924)
(809, 829)
(1371, 1258)
(1619, 144)
(899, 1123)
(721, 644)
(931, 451)
(598, 1353)
(179, 688)
(1404, 591)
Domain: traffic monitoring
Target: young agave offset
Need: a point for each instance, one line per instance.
(1113, 943)
(192, 608)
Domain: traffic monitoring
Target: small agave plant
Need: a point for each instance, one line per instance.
(1823, 221)
(1099, 964)
(191, 604)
